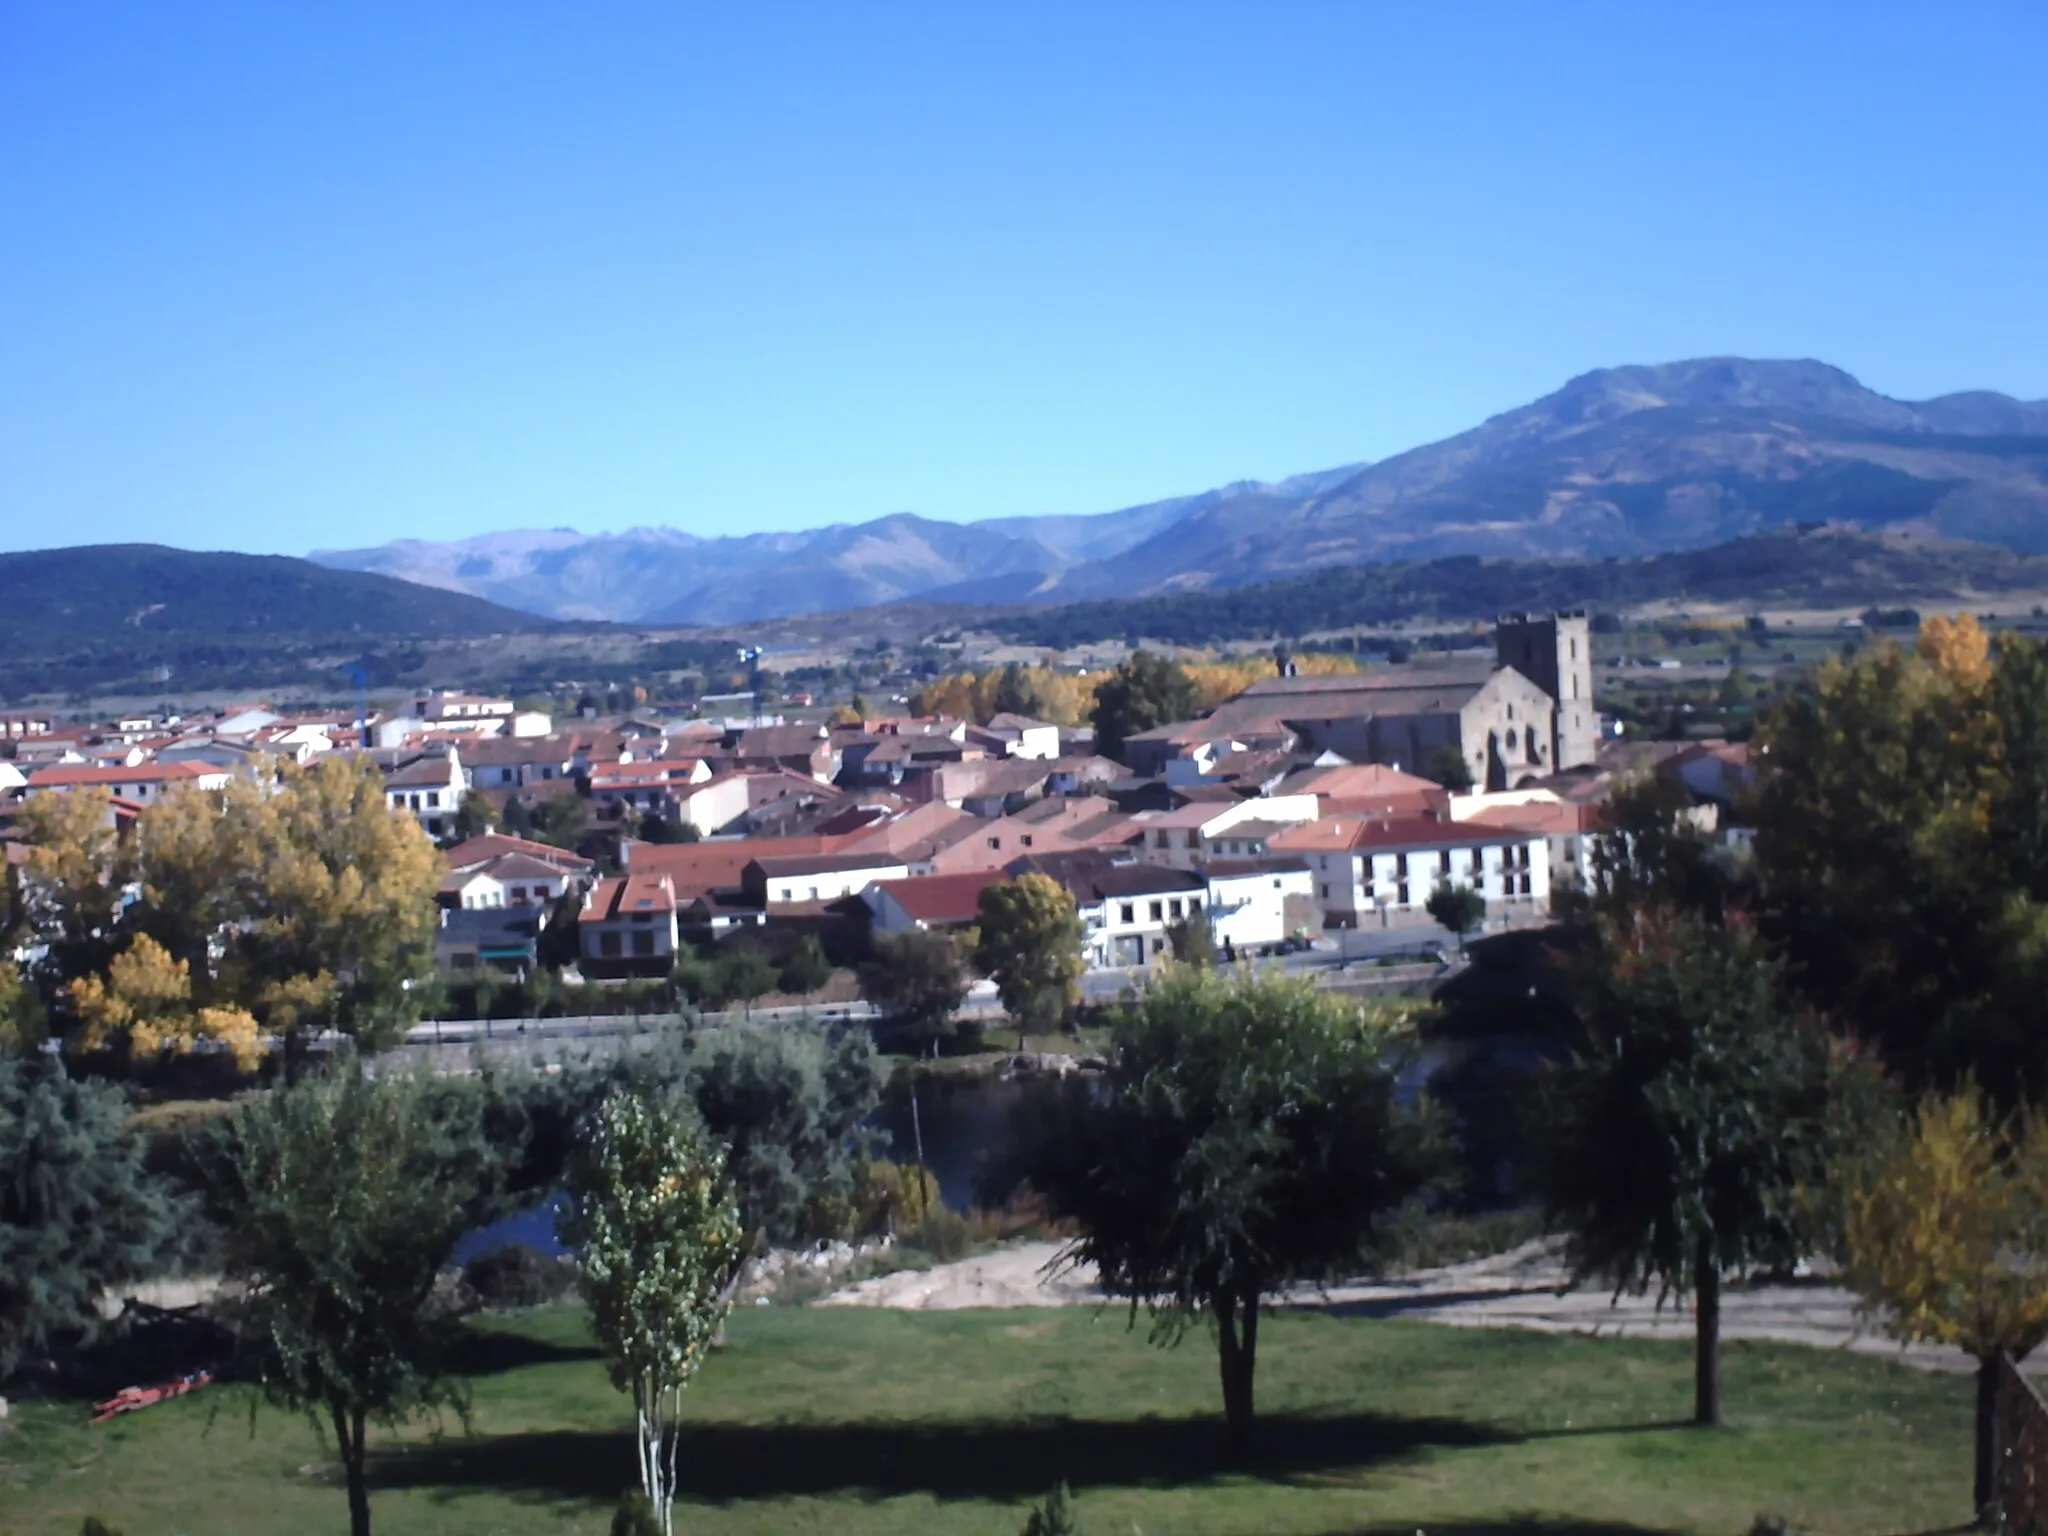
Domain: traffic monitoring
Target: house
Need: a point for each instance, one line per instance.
(509, 880)
(622, 788)
(475, 852)
(1019, 736)
(1254, 904)
(1379, 871)
(1184, 837)
(479, 713)
(16, 726)
(507, 762)
(1369, 789)
(628, 925)
(473, 939)
(713, 804)
(785, 880)
(141, 784)
(1568, 827)
(1126, 908)
(928, 901)
(804, 749)
(430, 788)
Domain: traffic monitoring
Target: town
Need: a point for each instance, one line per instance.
(1305, 806)
(992, 770)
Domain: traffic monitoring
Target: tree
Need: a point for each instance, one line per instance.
(742, 975)
(804, 969)
(145, 1006)
(474, 816)
(1015, 693)
(1946, 1236)
(344, 1196)
(1145, 692)
(23, 1026)
(341, 912)
(1676, 1144)
(656, 1227)
(1902, 846)
(76, 871)
(1030, 946)
(1447, 767)
(920, 976)
(1247, 1137)
(80, 1213)
(1192, 939)
(563, 821)
(1457, 907)
(518, 819)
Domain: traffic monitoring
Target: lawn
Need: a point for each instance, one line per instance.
(854, 1421)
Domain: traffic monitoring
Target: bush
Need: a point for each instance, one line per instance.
(1055, 1517)
(635, 1516)
(517, 1275)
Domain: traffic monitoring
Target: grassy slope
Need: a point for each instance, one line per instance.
(859, 1421)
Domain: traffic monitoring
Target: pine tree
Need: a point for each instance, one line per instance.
(80, 1214)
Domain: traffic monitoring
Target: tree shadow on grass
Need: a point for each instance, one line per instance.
(492, 1352)
(1512, 1525)
(722, 1463)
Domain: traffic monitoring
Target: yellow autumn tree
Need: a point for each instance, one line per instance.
(300, 898)
(76, 871)
(341, 913)
(1946, 1238)
(145, 1001)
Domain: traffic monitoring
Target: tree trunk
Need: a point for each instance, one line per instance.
(1706, 1382)
(1237, 1336)
(349, 1439)
(1987, 1439)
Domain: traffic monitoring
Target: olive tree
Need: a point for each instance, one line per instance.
(1247, 1138)
(656, 1229)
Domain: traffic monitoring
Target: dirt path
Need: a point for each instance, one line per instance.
(1523, 1288)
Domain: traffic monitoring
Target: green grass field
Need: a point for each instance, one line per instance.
(854, 1421)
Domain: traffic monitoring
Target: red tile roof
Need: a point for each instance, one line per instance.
(626, 895)
(941, 898)
(80, 776)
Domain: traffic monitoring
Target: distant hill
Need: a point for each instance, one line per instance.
(1819, 567)
(1619, 462)
(98, 615)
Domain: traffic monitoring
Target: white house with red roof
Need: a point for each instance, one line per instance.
(621, 787)
(1375, 871)
(141, 784)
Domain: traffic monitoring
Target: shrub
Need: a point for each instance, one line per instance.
(635, 1516)
(1055, 1517)
(517, 1275)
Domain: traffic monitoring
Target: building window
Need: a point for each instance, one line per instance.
(1162, 840)
(1127, 914)
(1326, 889)
(1195, 841)
(643, 943)
(608, 945)
(1156, 914)
(1173, 907)
(1443, 860)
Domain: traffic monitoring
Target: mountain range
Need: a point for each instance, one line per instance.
(1619, 462)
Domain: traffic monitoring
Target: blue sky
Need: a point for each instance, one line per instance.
(285, 277)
